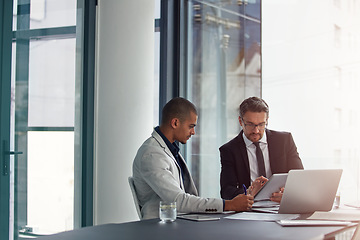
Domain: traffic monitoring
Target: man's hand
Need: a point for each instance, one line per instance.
(257, 185)
(276, 196)
(239, 203)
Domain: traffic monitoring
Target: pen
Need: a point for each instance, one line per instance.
(244, 187)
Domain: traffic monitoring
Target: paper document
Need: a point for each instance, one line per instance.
(273, 210)
(262, 204)
(339, 216)
(262, 216)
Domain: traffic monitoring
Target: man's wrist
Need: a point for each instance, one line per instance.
(227, 205)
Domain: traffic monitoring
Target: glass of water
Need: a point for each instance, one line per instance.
(167, 211)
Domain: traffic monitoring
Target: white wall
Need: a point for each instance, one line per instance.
(124, 103)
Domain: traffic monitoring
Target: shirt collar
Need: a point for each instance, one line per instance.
(174, 147)
(248, 142)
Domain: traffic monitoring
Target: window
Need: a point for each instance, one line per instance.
(337, 78)
(51, 111)
(223, 67)
(337, 36)
(311, 87)
(337, 3)
(44, 114)
(157, 61)
(298, 84)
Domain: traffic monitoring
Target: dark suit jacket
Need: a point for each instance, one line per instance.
(235, 170)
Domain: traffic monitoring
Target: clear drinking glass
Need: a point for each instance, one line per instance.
(167, 211)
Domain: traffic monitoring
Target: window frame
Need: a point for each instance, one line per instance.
(84, 33)
(5, 89)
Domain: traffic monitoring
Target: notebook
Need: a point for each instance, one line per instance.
(307, 191)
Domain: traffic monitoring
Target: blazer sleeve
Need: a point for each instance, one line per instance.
(158, 170)
(293, 159)
(228, 176)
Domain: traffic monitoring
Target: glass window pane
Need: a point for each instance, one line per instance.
(311, 74)
(46, 13)
(156, 77)
(42, 194)
(157, 8)
(52, 13)
(156, 62)
(52, 83)
(50, 181)
(15, 7)
(223, 68)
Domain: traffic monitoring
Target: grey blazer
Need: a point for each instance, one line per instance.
(157, 177)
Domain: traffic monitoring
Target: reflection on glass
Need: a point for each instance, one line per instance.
(50, 13)
(52, 89)
(46, 13)
(223, 69)
(157, 9)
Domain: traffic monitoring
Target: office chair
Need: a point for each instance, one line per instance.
(136, 201)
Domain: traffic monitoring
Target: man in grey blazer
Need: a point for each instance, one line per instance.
(160, 172)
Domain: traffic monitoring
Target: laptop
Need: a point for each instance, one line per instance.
(307, 191)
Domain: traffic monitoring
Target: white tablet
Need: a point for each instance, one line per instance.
(275, 182)
(196, 217)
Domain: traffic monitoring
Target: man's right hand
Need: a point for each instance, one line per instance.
(257, 185)
(239, 203)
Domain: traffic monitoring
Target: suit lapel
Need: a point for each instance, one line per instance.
(168, 152)
(272, 150)
(189, 185)
(243, 151)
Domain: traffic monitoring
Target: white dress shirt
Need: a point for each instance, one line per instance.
(251, 151)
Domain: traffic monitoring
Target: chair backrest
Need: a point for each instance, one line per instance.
(136, 201)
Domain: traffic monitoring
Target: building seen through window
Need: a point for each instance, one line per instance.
(311, 80)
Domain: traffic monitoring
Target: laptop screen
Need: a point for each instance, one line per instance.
(307, 191)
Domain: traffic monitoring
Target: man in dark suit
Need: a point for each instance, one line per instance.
(252, 155)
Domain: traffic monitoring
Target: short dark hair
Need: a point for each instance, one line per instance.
(253, 104)
(177, 108)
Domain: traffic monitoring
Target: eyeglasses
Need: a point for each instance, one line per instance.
(251, 126)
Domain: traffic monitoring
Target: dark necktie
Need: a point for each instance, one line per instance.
(260, 160)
